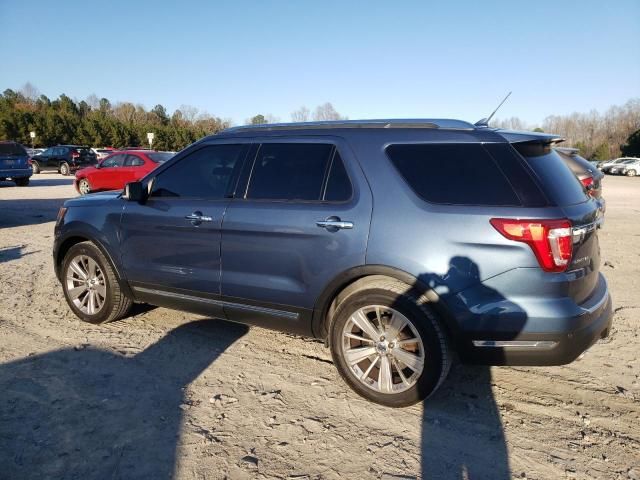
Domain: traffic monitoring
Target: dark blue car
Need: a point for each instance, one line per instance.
(14, 163)
(398, 242)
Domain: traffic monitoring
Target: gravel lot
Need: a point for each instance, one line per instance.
(164, 393)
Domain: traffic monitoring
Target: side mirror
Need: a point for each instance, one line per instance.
(135, 192)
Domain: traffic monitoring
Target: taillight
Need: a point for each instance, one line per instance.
(75, 155)
(550, 240)
(588, 184)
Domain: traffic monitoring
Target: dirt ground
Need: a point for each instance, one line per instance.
(167, 394)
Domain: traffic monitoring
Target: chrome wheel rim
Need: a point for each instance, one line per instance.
(84, 186)
(383, 349)
(86, 284)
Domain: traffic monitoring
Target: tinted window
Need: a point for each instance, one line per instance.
(289, 171)
(133, 161)
(205, 173)
(558, 181)
(11, 149)
(160, 157)
(458, 174)
(114, 161)
(48, 151)
(338, 184)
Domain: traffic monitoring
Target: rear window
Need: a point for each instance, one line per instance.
(453, 174)
(12, 149)
(558, 181)
(160, 157)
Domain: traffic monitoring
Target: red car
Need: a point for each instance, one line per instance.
(118, 169)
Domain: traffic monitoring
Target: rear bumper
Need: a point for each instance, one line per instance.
(16, 172)
(530, 345)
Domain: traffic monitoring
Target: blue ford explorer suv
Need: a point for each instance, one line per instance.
(14, 163)
(399, 242)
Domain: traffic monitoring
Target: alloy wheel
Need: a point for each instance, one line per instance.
(383, 349)
(86, 286)
(84, 186)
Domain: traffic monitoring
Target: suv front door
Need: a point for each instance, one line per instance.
(170, 245)
(278, 252)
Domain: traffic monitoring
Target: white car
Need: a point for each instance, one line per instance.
(103, 152)
(630, 168)
(606, 166)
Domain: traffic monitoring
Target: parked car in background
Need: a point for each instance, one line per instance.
(103, 152)
(588, 175)
(494, 256)
(117, 169)
(630, 168)
(63, 159)
(34, 151)
(606, 166)
(14, 163)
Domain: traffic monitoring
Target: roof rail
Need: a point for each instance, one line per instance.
(382, 123)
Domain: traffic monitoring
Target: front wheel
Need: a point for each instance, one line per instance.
(64, 169)
(90, 285)
(631, 173)
(84, 187)
(388, 344)
(35, 167)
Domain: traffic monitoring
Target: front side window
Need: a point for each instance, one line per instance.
(289, 171)
(204, 173)
(111, 162)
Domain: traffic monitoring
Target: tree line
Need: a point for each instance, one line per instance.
(97, 122)
(598, 136)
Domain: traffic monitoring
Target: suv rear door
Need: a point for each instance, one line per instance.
(278, 251)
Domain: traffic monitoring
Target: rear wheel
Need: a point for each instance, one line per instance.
(91, 286)
(84, 187)
(631, 173)
(22, 182)
(388, 344)
(64, 169)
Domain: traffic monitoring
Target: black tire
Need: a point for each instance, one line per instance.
(35, 167)
(116, 305)
(22, 182)
(392, 293)
(64, 169)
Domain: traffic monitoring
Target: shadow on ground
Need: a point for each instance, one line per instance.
(18, 212)
(90, 413)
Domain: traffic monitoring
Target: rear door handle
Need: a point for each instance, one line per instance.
(334, 224)
(197, 218)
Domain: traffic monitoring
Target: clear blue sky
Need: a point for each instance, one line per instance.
(370, 59)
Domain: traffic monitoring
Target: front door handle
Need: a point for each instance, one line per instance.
(333, 224)
(197, 218)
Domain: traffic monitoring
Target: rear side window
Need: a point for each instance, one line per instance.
(289, 171)
(453, 174)
(205, 173)
(133, 161)
(556, 178)
(12, 149)
(338, 185)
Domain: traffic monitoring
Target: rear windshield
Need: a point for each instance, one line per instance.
(558, 181)
(12, 149)
(160, 157)
(453, 174)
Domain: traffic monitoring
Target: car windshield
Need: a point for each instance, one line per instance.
(159, 157)
(11, 149)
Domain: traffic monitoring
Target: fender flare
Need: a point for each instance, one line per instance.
(320, 322)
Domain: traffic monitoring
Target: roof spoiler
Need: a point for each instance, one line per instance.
(514, 136)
